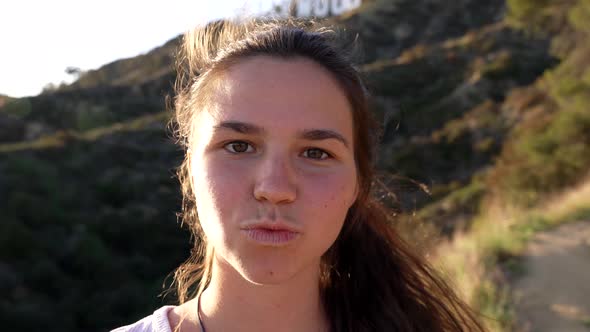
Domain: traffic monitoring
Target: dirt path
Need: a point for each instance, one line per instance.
(554, 292)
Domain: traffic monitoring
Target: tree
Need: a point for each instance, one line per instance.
(74, 71)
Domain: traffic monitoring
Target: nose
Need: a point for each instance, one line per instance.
(275, 181)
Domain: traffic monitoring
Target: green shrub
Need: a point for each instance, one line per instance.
(542, 16)
(92, 116)
(545, 158)
(579, 16)
(90, 257)
(19, 108)
(550, 149)
(17, 241)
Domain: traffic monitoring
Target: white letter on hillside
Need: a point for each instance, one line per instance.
(303, 8)
(341, 6)
(354, 3)
(321, 8)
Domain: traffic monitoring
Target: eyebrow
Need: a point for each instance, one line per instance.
(308, 134)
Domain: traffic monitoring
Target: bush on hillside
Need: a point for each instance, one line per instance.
(548, 152)
(550, 149)
(539, 16)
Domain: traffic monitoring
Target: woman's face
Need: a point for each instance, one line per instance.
(273, 167)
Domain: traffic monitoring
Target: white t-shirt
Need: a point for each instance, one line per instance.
(156, 322)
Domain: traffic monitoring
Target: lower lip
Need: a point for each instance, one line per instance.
(271, 237)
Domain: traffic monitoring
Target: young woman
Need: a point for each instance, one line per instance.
(277, 190)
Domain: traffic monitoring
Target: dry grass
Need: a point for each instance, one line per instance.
(560, 207)
(472, 259)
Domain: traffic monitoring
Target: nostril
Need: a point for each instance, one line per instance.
(275, 191)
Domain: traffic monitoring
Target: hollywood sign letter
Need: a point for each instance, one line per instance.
(323, 8)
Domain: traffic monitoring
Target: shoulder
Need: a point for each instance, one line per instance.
(156, 322)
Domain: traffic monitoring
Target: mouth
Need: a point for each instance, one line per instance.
(273, 234)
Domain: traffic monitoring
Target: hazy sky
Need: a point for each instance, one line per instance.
(41, 38)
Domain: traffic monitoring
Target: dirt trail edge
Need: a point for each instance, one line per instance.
(554, 292)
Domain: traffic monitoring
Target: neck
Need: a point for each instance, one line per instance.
(232, 303)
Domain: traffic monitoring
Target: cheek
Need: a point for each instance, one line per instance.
(218, 191)
(326, 204)
(332, 193)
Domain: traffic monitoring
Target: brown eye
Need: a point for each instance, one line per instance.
(317, 154)
(237, 147)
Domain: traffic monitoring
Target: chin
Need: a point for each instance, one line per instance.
(271, 267)
(267, 272)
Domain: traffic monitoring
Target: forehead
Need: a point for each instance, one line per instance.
(280, 95)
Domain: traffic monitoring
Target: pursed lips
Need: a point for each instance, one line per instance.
(271, 233)
(274, 225)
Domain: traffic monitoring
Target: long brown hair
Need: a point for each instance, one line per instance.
(371, 280)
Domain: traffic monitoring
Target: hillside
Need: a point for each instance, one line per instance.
(472, 105)
(116, 92)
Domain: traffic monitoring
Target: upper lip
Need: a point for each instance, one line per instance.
(275, 225)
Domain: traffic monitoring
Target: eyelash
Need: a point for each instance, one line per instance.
(225, 145)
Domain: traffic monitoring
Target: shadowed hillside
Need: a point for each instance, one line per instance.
(472, 105)
(88, 228)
